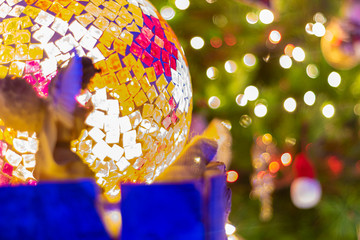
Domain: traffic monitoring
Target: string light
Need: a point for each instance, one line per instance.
(334, 79)
(251, 93)
(182, 4)
(212, 73)
(266, 16)
(197, 42)
(249, 59)
(274, 37)
(309, 98)
(214, 102)
(252, 18)
(290, 104)
(328, 111)
(298, 54)
(260, 110)
(285, 62)
(167, 13)
(230, 66)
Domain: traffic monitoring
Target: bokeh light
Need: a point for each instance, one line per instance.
(266, 16)
(285, 62)
(318, 29)
(230, 66)
(286, 159)
(252, 17)
(232, 176)
(289, 49)
(267, 139)
(229, 229)
(260, 110)
(298, 54)
(251, 93)
(290, 104)
(334, 79)
(309, 98)
(319, 18)
(182, 4)
(309, 28)
(197, 42)
(212, 73)
(357, 109)
(274, 37)
(241, 100)
(167, 12)
(312, 71)
(230, 39)
(220, 20)
(274, 167)
(249, 59)
(245, 121)
(328, 110)
(214, 102)
(216, 42)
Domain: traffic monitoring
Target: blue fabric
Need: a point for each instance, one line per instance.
(161, 211)
(50, 211)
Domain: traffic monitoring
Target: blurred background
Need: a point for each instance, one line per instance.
(283, 75)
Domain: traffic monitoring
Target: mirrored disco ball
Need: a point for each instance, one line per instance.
(142, 99)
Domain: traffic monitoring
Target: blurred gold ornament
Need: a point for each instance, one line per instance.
(334, 51)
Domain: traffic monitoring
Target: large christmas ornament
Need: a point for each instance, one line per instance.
(305, 190)
(142, 99)
(341, 43)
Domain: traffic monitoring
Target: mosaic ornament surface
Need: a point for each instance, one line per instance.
(142, 98)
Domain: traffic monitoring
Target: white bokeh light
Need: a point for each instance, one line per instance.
(182, 4)
(241, 100)
(334, 79)
(285, 62)
(197, 42)
(230, 66)
(274, 36)
(251, 93)
(298, 54)
(290, 104)
(214, 102)
(249, 59)
(309, 98)
(229, 229)
(212, 73)
(260, 110)
(266, 16)
(252, 18)
(328, 111)
(318, 29)
(167, 13)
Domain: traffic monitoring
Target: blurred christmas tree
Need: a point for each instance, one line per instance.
(281, 75)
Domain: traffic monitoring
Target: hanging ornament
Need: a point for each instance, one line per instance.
(305, 190)
(341, 43)
(142, 98)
